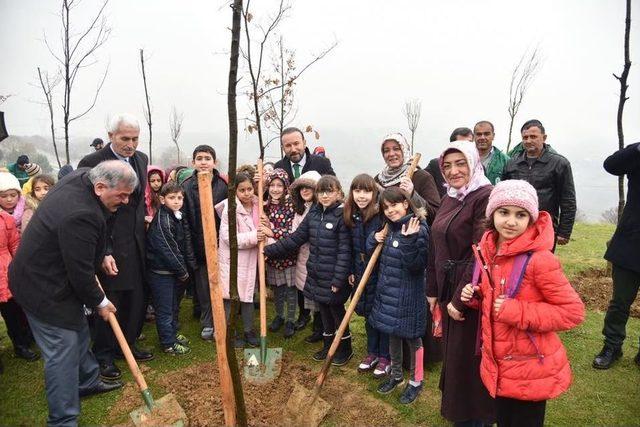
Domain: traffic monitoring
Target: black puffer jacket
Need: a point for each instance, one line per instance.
(552, 178)
(359, 234)
(169, 247)
(191, 209)
(329, 260)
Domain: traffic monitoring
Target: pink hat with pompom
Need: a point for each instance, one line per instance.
(513, 192)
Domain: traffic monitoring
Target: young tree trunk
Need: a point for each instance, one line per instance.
(146, 95)
(510, 131)
(623, 98)
(241, 412)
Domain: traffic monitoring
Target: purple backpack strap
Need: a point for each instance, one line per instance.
(517, 273)
(477, 268)
(515, 280)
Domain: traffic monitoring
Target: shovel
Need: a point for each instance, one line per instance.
(264, 364)
(307, 408)
(164, 411)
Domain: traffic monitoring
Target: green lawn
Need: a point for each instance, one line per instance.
(596, 397)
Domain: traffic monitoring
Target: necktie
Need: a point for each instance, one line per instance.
(296, 170)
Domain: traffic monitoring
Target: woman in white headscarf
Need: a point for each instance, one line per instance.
(459, 223)
(422, 187)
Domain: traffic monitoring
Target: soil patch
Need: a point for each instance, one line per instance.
(596, 287)
(197, 390)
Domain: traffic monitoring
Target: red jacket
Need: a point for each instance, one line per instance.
(9, 241)
(522, 356)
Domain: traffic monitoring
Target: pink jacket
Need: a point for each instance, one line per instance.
(303, 252)
(9, 241)
(247, 226)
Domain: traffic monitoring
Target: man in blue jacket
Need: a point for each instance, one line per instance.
(624, 255)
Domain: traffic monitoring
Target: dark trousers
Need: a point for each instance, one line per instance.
(130, 315)
(331, 316)
(625, 289)
(303, 311)
(165, 304)
(69, 367)
(18, 332)
(377, 342)
(201, 280)
(519, 413)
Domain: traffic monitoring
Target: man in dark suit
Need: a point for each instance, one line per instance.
(298, 160)
(123, 269)
(624, 256)
(297, 157)
(53, 275)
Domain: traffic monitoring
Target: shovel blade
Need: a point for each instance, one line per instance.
(166, 412)
(256, 372)
(301, 411)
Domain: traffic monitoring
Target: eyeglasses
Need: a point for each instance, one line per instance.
(326, 192)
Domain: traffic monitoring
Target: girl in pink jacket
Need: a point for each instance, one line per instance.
(247, 224)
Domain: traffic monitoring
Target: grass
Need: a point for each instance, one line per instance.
(595, 398)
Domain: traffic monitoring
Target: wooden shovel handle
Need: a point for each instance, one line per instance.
(354, 300)
(261, 267)
(124, 347)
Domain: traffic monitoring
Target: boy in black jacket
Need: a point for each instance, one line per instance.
(169, 260)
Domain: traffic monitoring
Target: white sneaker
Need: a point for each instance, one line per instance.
(207, 334)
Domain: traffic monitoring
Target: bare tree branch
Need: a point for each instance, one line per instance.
(521, 78)
(411, 111)
(147, 111)
(175, 128)
(47, 86)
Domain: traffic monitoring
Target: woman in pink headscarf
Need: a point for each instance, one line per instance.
(458, 224)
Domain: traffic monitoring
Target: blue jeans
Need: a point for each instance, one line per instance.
(69, 366)
(377, 342)
(165, 303)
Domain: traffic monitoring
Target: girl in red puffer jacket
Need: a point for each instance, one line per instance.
(524, 298)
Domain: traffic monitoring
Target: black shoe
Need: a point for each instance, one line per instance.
(319, 356)
(26, 353)
(302, 322)
(238, 341)
(101, 387)
(138, 354)
(606, 357)
(289, 330)
(389, 385)
(251, 338)
(344, 352)
(109, 372)
(316, 336)
(410, 394)
(276, 324)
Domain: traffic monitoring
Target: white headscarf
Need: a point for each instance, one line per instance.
(477, 178)
(391, 176)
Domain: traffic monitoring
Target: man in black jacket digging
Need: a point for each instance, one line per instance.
(298, 160)
(53, 276)
(624, 255)
(123, 276)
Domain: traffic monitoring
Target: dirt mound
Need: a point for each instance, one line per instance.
(197, 390)
(596, 287)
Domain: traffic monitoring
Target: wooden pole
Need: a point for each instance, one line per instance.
(215, 293)
(261, 272)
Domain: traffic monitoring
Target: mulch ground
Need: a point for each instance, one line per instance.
(197, 390)
(595, 287)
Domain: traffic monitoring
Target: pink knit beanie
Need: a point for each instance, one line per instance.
(513, 192)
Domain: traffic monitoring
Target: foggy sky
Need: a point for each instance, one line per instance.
(456, 56)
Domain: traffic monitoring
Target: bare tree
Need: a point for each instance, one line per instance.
(623, 98)
(411, 111)
(175, 128)
(521, 78)
(78, 52)
(48, 84)
(241, 412)
(260, 90)
(610, 216)
(147, 110)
